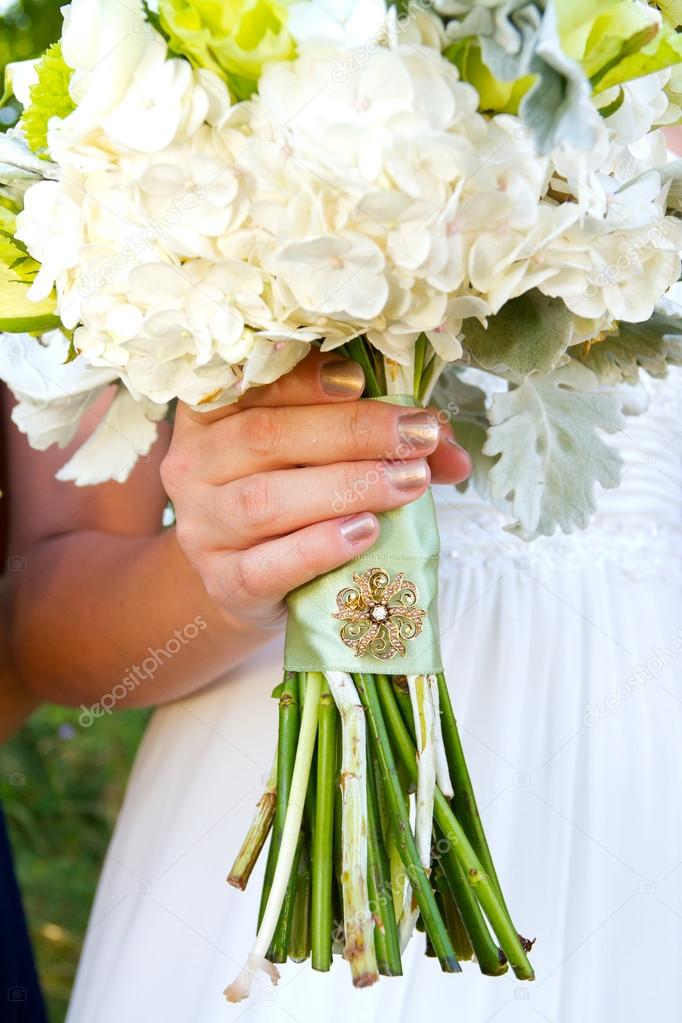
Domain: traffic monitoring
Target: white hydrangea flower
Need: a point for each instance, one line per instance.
(339, 23)
(53, 395)
(199, 247)
(617, 265)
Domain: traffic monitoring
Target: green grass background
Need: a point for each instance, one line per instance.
(61, 786)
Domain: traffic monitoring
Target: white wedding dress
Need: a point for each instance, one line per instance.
(564, 660)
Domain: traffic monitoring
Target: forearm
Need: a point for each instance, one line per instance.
(100, 618)
(16, 700)
(16, 704)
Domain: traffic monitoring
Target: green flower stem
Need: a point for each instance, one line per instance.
(358, 921)
(357, 350)
(451, 915)
(419, 355)
(337, 882)
(367, 690)
(429, 379)
(464, 800)
(255, 839)
(442, 766)
(401, 692)
(286, 752)
(386, 936)
(487, 954)
(299, 932)
(397, 709)
(453, 833)
(323, 832)
(423, 715)
(496, 912)
(423, 711)
(287, 851)
(290, 702)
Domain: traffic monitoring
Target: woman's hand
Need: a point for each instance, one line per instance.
(285, 485)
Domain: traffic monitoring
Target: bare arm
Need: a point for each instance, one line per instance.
(103, 599)
(16, 700)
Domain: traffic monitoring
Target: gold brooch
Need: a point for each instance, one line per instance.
(379, 615)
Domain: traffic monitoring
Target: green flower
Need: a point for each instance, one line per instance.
(495, 95)
(18, 314)
(618, 41)
(49, 98)
(234, 38)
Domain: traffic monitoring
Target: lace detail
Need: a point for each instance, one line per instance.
(477, 540)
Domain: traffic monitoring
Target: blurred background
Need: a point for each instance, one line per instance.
(27, 27)
(60, 784)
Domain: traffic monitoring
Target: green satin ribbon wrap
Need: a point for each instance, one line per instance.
(409, 543)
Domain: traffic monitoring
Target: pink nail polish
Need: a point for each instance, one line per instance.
(358, 527)
(408, 475)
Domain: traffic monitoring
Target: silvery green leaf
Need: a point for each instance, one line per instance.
(651, 346)
(508, 50)
(472, 437)
(558, 107)
(461, 400)
(529, 333)
(466, 405)
(546, 433)
(518, 38)
(506, 29)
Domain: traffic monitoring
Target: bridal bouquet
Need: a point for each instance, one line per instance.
(472, 200)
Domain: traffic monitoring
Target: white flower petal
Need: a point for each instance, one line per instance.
(126, 432)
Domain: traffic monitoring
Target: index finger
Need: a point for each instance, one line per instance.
(318, 379)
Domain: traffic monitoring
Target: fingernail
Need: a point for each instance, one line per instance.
(342, 378)
(419, 430)
(358, 527)
(453, 443)
(408, 475)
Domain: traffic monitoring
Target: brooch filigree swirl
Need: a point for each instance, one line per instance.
(380, 615)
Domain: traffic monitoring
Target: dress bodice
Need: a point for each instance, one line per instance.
(637, 527)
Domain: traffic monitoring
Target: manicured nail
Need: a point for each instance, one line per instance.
(419, 430)
(342, 379)
(358, 527)
(408, 475)
(453, 443)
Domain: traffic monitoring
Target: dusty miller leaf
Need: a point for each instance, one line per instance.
(465, 404)
(546, 433)
(529, 333)
(651, 346)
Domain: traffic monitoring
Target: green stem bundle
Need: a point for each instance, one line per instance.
(359, 756)
(323, 833)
